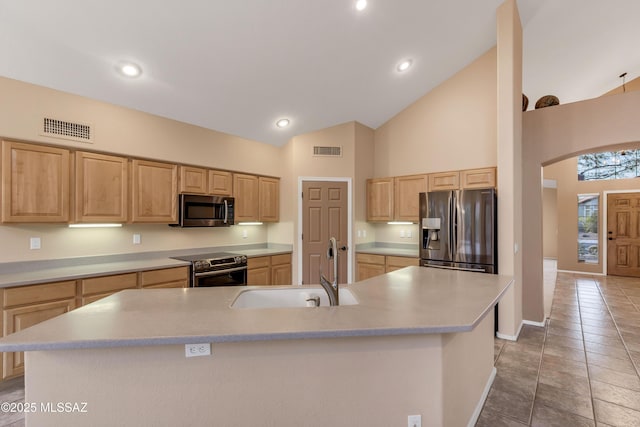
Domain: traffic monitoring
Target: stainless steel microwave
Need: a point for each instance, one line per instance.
(196, 210)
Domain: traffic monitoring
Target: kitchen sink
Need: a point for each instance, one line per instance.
(291, 296)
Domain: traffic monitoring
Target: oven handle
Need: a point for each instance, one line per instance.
(218, 272)
(226, 211)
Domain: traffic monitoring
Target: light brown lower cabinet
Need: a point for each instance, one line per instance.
(281, 269)
(95, 288)
(371, 265)
(269, 270)
(26, 306)
(176, 277)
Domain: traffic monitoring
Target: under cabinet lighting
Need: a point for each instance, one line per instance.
(400, 223)
(249, 223)
(106, 225)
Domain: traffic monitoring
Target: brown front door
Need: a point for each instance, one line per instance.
(324, 215)
(623, 220)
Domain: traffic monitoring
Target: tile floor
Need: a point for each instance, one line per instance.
(582, 369)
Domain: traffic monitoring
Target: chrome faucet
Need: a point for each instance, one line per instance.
(332, 287)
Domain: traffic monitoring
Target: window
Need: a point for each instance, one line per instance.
(609, 165)
(588, 205)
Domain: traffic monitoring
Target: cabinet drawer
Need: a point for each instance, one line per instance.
(281, 259)
(39, 293)
(260, 262)
(397, 262)
(165, 275)
(370, 259)
(104, 284)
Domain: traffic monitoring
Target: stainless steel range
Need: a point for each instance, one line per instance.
(217, 269)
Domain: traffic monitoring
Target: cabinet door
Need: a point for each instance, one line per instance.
(101, 188)
(269, 191)
(17, 319)
(245, 190)
(193, 180)
(478, 178)
(380, 199)
(155, 192)
(259, 271)
(444, 181)
(370, 265)
(220, 183)
(176, 277)
(394, 263)
(281, 269)
(407, 200)
(35, 183)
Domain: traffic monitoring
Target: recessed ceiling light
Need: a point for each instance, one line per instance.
(283, 123)
(361, 4)
(405, 65)
(129, 69)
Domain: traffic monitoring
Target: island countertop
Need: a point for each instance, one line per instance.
(413, 300)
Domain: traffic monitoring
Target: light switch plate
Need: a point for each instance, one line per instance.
(136, 239)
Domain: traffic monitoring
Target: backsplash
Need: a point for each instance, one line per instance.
(59, 241)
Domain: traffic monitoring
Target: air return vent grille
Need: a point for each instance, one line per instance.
(66, 130)
(319, 151)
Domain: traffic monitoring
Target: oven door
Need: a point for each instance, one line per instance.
(229, 277)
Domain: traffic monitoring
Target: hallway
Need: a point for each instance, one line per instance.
(583, 368)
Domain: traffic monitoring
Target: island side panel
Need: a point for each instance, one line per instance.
(467, 372)
(374, 381)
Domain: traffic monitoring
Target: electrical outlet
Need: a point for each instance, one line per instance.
(136, 239)
(414, 421)
(34, 243)
(401, 233)
(364, 233)
(245, 234)
(193, 350)
(409, 234)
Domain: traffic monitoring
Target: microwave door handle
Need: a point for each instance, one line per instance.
(226, 211)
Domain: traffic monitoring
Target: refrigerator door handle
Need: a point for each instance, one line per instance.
(452, 235)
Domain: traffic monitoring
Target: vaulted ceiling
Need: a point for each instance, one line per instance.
(239, 66)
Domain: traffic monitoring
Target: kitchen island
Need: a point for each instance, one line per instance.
(419, 341)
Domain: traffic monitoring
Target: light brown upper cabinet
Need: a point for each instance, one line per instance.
(196, 180)
(154, 192)
(220, 183)
(35, 183)
(380, 199)
(193, 180)
(444, 181)
(407, 200)
(246, 190)
(269, 209)
(101, 185)
(257, 198)
(478, 178)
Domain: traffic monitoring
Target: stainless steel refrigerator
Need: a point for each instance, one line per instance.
(459, 230)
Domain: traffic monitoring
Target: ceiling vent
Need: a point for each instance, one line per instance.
(319, 151)
(55, 128)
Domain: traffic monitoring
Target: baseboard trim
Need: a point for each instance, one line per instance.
(510, 337)
(483, 398)
(581, 272)
(532, 323)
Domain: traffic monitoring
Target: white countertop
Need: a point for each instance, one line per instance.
(413, 300)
